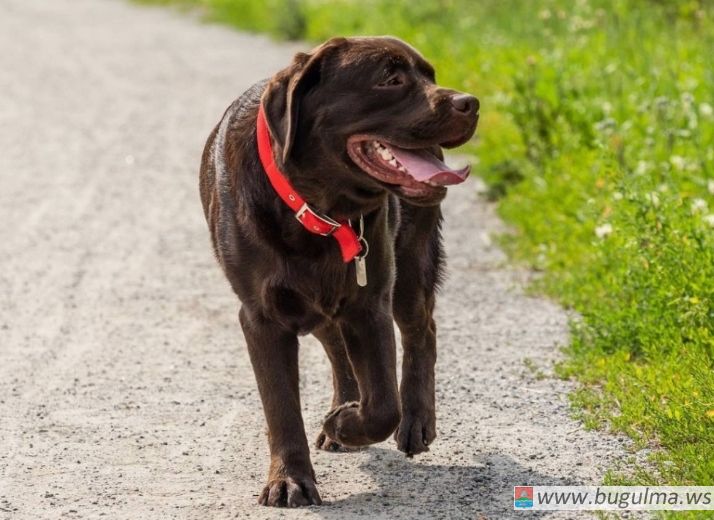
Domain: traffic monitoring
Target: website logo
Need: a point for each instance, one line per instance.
(614, 498)
(523, 497)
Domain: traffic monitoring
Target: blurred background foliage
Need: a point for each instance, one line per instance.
(597, 141)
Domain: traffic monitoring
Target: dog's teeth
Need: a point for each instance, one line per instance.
(394, 162)
(386, 154)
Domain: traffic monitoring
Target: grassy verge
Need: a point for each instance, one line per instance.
(597, 137)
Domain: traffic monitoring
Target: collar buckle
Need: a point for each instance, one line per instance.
(324, 219)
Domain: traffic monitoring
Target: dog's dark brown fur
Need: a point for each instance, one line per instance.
(291, 282)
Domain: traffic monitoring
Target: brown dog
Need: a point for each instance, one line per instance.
(354, 130)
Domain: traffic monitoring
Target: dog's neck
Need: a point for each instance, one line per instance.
(333, 195)
(341, 203)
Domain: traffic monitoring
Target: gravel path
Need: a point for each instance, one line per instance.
(125, 387)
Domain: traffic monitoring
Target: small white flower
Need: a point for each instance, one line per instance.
(653, 198)
(710, 186)
(544, 14)
(607, 107)
(617, 195)
(642, 167)
(706, 110)
(606, 126)
(678, 161)
(603, 230)
(709, 219)
(699, 205)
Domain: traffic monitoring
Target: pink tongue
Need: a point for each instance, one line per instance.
(425, 166)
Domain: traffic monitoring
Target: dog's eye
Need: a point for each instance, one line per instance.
(395, 80)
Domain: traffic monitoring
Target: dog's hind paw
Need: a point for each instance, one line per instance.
(327, 443)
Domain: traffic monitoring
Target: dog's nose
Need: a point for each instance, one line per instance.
(465, 103)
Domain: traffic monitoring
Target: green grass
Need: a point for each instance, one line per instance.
(597, 138)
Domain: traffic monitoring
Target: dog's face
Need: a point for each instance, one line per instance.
(369, 111)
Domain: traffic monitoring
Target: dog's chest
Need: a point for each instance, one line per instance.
(309, 295)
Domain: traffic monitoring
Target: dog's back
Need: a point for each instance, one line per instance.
(234, 134)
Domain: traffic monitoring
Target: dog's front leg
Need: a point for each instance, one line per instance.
(414, 299)
(414, 316)
(370, 345)
(274, 356)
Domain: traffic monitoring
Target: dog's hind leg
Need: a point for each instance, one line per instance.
(419, 257)
(344, 383)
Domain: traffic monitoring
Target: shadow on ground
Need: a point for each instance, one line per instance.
(410, 489)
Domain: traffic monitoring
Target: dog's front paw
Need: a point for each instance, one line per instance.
(290, 492)
(416, 431)
(327, 443)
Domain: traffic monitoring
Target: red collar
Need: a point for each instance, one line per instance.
(311, 220)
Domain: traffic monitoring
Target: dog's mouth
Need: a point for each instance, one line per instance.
(413, 172)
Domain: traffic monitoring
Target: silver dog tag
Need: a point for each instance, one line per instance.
(361, 270)
(361, 260)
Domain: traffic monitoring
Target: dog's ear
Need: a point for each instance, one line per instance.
(281, 99)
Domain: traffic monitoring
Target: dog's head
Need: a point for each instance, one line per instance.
(367, 111)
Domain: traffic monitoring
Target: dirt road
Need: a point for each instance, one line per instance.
(125, 387)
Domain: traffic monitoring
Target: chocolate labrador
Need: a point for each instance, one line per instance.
(321, 187)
